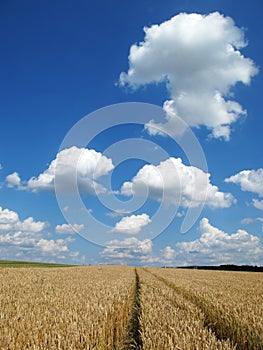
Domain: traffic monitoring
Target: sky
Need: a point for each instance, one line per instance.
(131, 132)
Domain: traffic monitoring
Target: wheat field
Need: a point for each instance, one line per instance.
(231, 301)
(64, 308)
(121, 308)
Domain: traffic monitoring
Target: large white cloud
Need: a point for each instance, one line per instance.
(199, 59)
(217, 247)
(178, 184)
(86, 165)
(26, 239)
(131, 224)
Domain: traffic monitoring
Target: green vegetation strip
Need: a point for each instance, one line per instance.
(11, 263)
(224, 326)
(135, 341)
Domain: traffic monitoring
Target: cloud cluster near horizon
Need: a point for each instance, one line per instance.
(27, 239)
(213, 247)
(198, 58)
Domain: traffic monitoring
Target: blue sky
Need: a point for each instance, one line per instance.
(199, 61)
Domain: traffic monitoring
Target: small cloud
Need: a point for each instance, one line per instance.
(69, 229)
(118, 212)
(13, 180)
(74, 254)
(52, 247)
(258, 204)
(249, 180)
(131, 224)
(129, 248)
(246, 221)
(168, 253)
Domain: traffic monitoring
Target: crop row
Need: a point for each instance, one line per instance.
(169, 321)
(232, 302)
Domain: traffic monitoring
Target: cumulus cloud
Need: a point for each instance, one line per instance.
(13, 180)
(178, 184)
(131, 224)
(249, 180)
(52, 247)
(168, 253)
(26, 238)
(85, 165)
(198, 58)
(213, 247)
(217, 247)
(9, 221)
(69, 229)
(129, 248)
(134, 251)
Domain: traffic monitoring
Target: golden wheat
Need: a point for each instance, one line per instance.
(231, 301)
(106, 308)
(71, 308)
(169, 321)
